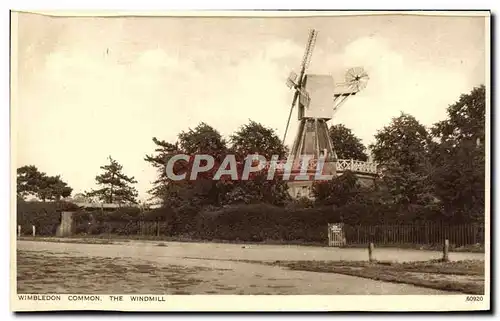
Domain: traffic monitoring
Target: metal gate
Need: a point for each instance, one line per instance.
(336, 235)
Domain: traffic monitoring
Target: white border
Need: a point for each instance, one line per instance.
(230, 301)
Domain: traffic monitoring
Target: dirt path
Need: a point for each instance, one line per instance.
(262, 252)
(187, 268)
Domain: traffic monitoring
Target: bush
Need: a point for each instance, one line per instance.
(45, 216)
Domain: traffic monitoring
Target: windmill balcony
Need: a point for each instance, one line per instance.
(356, 166)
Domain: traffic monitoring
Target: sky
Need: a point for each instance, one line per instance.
(90, 87)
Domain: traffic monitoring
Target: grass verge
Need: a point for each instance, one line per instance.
(473, 248)
(460, 276)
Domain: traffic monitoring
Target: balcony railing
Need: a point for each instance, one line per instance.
(356, 166)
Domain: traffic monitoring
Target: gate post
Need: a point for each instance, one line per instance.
(446, 247)
(370, 252)
(66, 228)
(329, 232)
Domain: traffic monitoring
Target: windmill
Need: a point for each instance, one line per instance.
(318, 98)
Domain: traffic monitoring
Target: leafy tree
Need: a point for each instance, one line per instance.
(250, 139)
(30, 181)
(116, 185)
(346, 144)
(466, 119)
(254, 138)
(402, 149)
(339, 191)
(459, 180)
(459, 157)
(203, 139)
(403, 143)
(53, 188)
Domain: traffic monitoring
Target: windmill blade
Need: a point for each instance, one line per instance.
(309, 49)
(307, 55)
(341, 99)
(290, 81)
(305, 63)
(295, 96)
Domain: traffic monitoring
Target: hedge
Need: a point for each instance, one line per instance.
(45, 216)
(251, 223)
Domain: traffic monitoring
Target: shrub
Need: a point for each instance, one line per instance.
(45, 216)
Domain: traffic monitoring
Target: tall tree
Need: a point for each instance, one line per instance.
(116, 186)
(459, 157)
(250, 139)
(255, 138)
(346, 144)
(403, 142)
(203, 139)
(401, 148)
(466, 119)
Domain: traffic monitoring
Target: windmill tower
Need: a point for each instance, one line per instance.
(318, 98)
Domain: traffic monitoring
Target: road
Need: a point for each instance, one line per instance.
(198, 268)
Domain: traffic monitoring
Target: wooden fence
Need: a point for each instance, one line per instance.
(430, 233)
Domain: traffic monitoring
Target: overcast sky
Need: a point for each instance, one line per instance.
(93, 87)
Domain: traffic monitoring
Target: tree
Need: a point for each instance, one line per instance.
(116, 185)
(53, 188)
(345, 144)
(251, 139)
(339, 191)
(459, 180)
(459, 157)
(466, 119)
(30, 181)
(401, 148)
(403, 143)
(163, 152)
(254, 138)
(203, 139)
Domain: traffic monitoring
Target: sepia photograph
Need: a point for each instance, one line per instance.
(239, 160)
